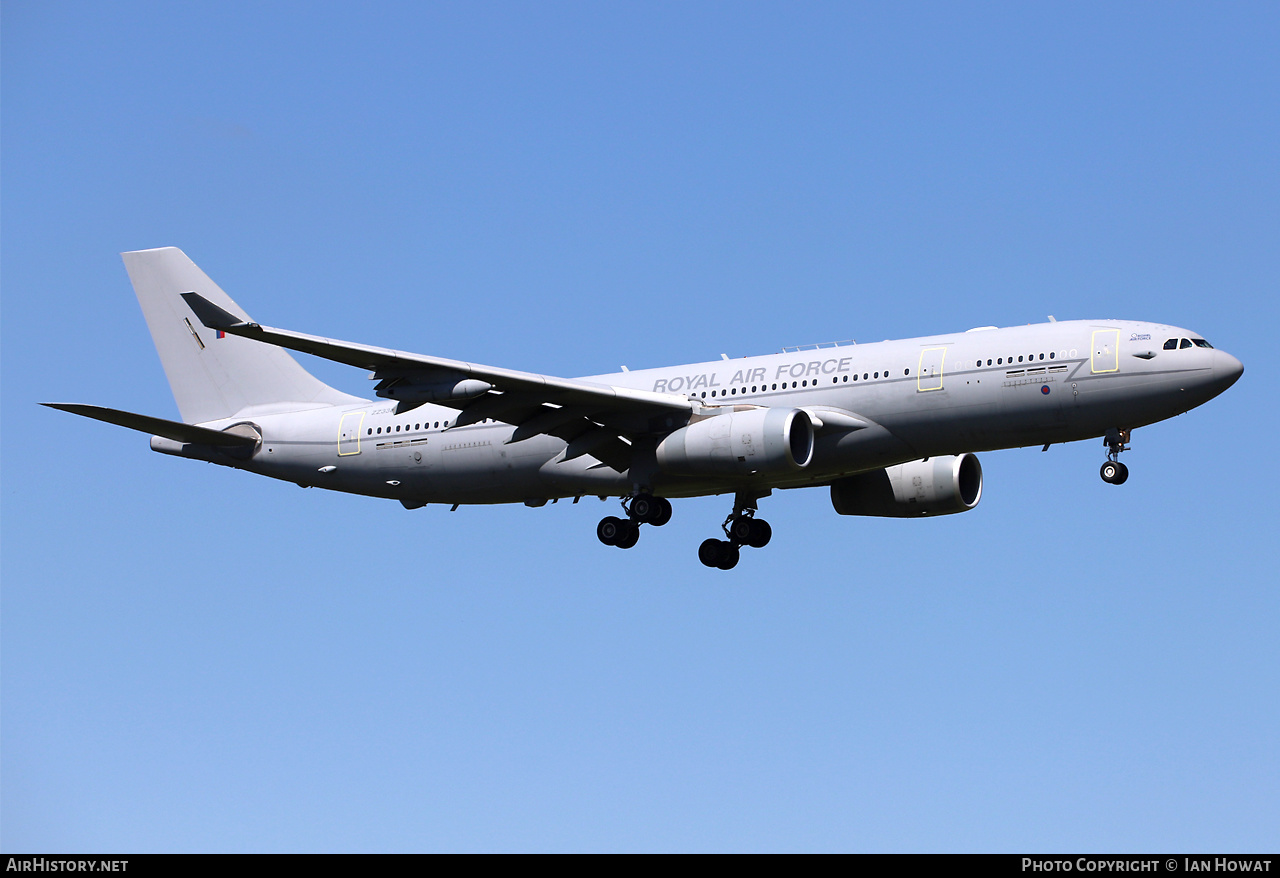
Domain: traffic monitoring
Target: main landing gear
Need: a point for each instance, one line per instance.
(743, 529)
(1114, 472)
(640, 509)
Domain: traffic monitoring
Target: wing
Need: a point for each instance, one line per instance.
(602, 420)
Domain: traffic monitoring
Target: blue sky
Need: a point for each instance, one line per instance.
(195, 659)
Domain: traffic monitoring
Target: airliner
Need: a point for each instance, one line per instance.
(891, 428)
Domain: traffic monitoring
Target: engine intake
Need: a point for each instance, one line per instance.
(933, 486)
(739, 442)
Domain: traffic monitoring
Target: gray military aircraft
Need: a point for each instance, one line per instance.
(890, 428)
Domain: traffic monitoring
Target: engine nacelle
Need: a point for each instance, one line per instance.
(740, 442)
(933, 486)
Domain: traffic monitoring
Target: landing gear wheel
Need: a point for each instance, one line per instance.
(1114, 472)
(1123, 475)
(760, 534)
(609, 530)
(729, 557)
(643, 508)
(650, 510)
(740, 530)
(629, 535)
(664, 512)
(711, 551)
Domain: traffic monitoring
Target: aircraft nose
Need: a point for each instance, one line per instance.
(1226, 370)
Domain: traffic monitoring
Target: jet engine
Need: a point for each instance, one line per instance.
(933, 486)
(739, 442)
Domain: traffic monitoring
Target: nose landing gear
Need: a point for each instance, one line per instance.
(1114, 472)
(743, 529)
(640, 509)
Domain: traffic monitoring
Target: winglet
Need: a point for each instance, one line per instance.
(210, 314)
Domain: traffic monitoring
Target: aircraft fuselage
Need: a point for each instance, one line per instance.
(922, 397)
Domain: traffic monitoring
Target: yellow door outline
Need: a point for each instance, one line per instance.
(1102, 359)
(342, 432)
(929, 375)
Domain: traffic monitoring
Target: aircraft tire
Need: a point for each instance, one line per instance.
(740, 531)
(644, 508)
(710, 552)
(629, 535)
(729, 559)
(1122, 474)
(664, 512)
(609, 529)
(760, 535)
(1110, 472)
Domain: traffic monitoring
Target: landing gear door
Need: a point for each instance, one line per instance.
(929, 375)
(1106, 351)
(349, 434)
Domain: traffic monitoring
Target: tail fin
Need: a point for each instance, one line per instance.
(215, 377)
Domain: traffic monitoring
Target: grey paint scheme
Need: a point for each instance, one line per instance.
(931, 398)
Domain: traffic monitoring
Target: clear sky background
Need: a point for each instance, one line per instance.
(195, 659)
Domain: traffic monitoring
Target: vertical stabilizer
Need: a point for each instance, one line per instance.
(212, 377)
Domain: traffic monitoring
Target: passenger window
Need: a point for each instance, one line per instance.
(1186, 343)
(1171, 344)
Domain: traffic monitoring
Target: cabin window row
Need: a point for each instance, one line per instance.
(1000, 361)
(765, 388)
(427, 425)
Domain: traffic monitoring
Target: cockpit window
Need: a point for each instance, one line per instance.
(1171, 344)
(1186, 343)
(1201, 343)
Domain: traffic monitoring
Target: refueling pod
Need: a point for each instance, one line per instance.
(412, 387)
(933, 486)
(739, 442)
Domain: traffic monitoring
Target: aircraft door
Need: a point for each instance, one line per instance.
(1106, 351)
(929, 375)
(349, 434)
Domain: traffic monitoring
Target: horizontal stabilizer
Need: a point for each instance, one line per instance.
(174, 430)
